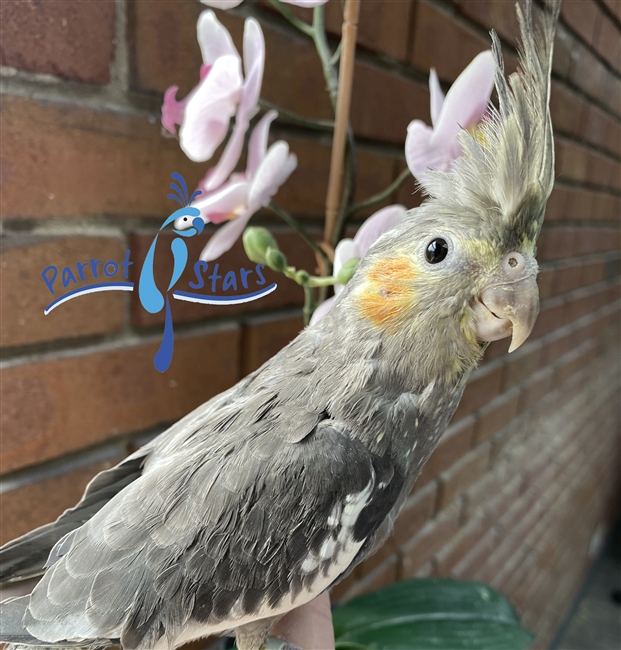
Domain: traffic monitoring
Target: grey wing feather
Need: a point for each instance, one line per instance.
(27, 556)
(207, 540)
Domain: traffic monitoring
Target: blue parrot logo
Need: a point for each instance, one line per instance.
(150, 296)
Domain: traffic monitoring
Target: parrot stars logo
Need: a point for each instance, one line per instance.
(99, 275)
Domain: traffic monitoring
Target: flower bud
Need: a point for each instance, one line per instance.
(302, 277)
(256, 243)
(275, 259)
(347, 270)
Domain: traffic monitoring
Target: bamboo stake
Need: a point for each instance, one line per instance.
(346, 77)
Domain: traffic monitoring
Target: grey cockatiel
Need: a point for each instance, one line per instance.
(273, 491)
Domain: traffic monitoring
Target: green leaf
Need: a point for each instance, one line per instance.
(431, 614)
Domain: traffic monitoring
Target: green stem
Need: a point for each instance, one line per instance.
(289, 220)
(318, 125)
(316, 281)
(321, 43)
(292, 18)
(309, 304)
(381, 196)
(349, 188)
(337, 54)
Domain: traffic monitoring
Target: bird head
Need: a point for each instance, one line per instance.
(460, 271)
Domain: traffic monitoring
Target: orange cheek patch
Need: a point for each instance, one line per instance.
(387, 291)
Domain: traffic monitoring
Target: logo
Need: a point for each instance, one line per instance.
(187, 223)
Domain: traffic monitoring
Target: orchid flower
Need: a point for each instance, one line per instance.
(463, 108)
(229, 4)
(347, 249)
(204, 115)
(246, 193)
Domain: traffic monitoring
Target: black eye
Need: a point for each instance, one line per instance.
(185, 218)
(436, 251)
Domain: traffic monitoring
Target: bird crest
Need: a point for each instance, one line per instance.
(507, 168)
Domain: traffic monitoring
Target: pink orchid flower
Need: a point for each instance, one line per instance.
(229, 4)
(245, 193)
(347, 249)
(204, 115)
(463, 108)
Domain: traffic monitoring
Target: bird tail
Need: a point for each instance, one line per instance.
(16, 637)
(28, 555)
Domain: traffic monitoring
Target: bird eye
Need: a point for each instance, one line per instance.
(437, 250)
(185, 218)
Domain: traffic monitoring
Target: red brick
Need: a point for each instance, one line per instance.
(609, 43)
(582, 17)
(573, 164)
(263, 337)
(496, 415)
(88, 162)
(35, 504)
(460, 545)
(612, 97)
(607, 207)
(430, 540)
(382, 27)
(25, 295)
(483, 386)
(602, 170)
(433, 30)
(53, 406)
(615, 8)
(462, 475)
(589, 74)
(521, 365)
(551, 316)
(566, 109)
(491, 14)
(287, 294)
(567, 278)
(73, 40)
(416, 512)
(384, 575)
(562, 62)
(600, 129)
(374, 112)
(537, 387)
(304, 193)
(545, 281)
(454, 444)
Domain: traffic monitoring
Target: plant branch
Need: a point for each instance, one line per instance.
(318, 125)
(346, 74)
(349, 191)
(292, 18)
(321, 44)
(337, 54)
(289, 220)
(309, 304)
(381, 196)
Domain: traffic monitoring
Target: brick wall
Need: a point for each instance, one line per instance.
(528, 471)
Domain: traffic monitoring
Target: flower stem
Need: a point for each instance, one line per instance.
(309, 304)
(381, 196)
(319, 125)
(292, 18)
(289, 220)
(325, 56)
(315, 281)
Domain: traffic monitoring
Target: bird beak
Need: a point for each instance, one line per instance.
(508, 308)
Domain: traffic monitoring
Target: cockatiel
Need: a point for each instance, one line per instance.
(272, 492)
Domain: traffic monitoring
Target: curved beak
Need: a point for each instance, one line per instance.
(508, 309)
